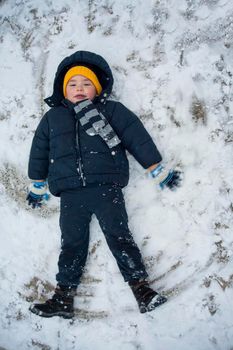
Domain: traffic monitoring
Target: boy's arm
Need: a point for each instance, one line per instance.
(139, 143)
(38, 165)
(39, 153)
(135, 137)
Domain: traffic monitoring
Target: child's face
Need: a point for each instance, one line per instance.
(80, 88)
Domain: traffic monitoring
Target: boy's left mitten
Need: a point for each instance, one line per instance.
(37, 194)
(166, 178)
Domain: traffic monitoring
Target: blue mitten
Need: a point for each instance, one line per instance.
(166, 178)
(37, 194)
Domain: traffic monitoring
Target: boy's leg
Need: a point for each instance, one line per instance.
(114, 223)
(113, 220)
(74, 223)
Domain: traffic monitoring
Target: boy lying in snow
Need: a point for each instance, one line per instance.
(79, 148)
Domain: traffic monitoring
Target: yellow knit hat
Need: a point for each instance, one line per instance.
(86, 72)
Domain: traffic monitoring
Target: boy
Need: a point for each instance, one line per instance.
(79, 147)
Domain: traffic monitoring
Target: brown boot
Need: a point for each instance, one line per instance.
(61, 304)
(147, 298)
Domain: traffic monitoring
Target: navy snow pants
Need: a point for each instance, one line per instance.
(77, 207)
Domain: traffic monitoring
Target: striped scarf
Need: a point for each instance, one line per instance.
(95, 123)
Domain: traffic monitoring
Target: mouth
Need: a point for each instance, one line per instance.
(79, 96)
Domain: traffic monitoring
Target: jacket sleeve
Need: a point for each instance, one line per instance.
(134, 136)
(39, 154)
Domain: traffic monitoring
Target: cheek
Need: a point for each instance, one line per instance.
(68, 91)
(91, 93)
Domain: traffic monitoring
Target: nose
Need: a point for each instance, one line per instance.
(79, 87)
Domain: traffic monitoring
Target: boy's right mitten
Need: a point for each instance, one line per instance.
(37, 194)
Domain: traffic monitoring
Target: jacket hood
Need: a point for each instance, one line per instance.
(89, 59)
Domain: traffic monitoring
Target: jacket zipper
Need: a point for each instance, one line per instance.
(79, 160)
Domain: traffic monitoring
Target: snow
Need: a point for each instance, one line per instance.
(172, 64)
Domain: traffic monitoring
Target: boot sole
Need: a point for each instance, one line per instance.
(66, 315)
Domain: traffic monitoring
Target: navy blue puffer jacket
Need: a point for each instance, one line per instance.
(60, 144)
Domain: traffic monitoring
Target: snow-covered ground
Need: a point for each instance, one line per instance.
(172, 64)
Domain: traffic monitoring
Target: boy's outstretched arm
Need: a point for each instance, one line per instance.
(139, 143)
(38, 166)
(134, 137)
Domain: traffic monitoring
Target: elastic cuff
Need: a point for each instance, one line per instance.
(155, 172)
